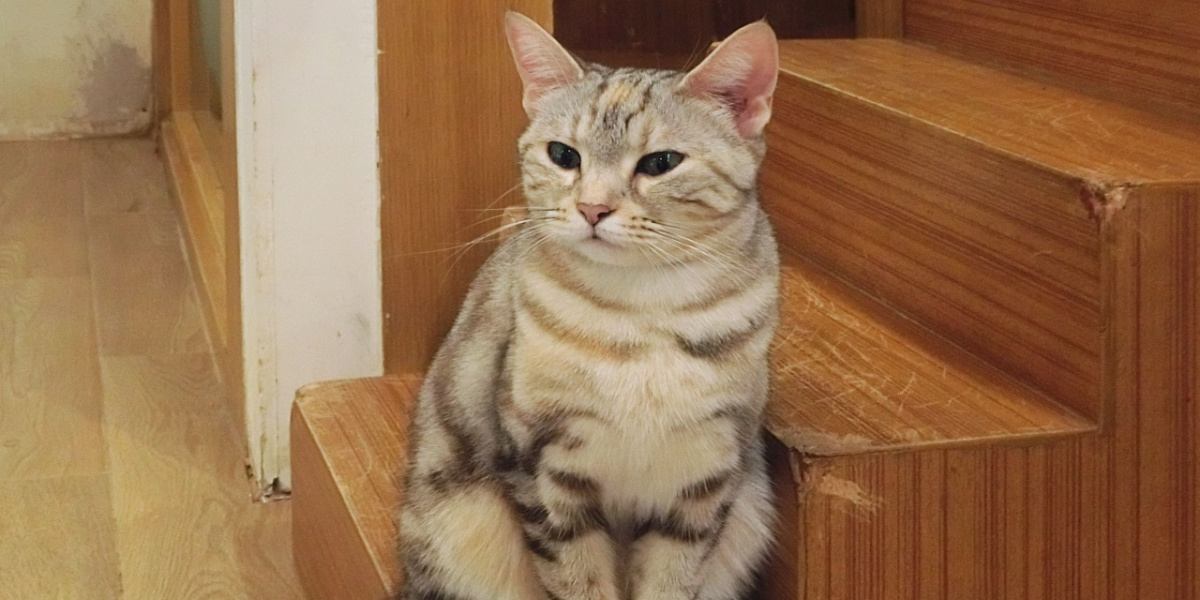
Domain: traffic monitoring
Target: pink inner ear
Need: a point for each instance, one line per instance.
(542, 63)
(741, 73)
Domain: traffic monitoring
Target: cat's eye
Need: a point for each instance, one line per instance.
(657, 163)
(563, 155)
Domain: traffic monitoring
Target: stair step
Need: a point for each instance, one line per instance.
(1142, 53)
(971, 200)
(852, 377)
(349, 444)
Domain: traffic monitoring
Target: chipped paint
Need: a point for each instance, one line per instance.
(1103, 200)
(75, 69)
(847, 495)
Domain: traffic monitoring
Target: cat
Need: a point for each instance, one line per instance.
(591, 426)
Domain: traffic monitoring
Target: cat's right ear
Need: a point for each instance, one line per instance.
(542, 63)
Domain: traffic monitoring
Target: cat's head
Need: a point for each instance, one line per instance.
(636, 166)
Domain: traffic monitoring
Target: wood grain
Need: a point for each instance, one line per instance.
(447, 147)
(56, 539)
(879, 18)
(49, 422)
(201, 202)
(625, 32)
(181, 501)
(145, 301)
(200, 147)
(123, 176)
(134, 486)
(987, 235)
(1136, 52)
(851, 376)
(349, 447)
(41, 216)
(1110, 515)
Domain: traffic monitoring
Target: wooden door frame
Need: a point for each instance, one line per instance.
(300, 219)
(201, 157)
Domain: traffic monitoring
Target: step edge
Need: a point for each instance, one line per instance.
(816, 443)
(1080, 178)
(824, 446)
(309, 397)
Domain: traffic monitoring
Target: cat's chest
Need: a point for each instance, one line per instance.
(639, 380)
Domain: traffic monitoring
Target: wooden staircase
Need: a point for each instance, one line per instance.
(987, 373)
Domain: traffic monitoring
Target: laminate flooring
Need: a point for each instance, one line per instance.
(122, 471)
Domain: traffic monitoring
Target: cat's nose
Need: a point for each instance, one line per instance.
(594, 213)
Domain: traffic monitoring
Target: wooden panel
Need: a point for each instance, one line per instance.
(348, 453)
(161, 59)
(1109, 516)
(450, 117)
(688, 27)
(56, 539)
(1139, 52)
(851, 377)
(879, 18)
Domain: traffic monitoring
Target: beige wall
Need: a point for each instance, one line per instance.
(76, 68)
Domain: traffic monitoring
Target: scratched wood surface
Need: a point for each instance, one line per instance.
(1135, 51)
(851, 376)
(985, 234)
(1106, 516)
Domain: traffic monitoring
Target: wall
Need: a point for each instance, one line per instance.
(70, 69)
(307, 106)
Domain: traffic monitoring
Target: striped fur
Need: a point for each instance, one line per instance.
(590, 428)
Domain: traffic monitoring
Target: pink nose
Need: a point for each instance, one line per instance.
(594, 213)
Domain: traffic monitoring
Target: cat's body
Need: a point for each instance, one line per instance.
(590, 427)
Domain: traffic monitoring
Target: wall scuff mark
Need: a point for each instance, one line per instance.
(75, 68)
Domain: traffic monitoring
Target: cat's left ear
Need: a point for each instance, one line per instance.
(543, 64)
(741, 74)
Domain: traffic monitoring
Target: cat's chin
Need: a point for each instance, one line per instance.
(609, 253)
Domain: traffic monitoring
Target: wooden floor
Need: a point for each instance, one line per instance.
(121, 469)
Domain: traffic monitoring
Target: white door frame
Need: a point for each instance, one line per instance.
(309, 195)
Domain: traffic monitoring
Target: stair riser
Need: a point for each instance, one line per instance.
(998, 255)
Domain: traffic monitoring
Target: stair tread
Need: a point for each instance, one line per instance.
(360, 428)
(1095, 140)
(851, 377)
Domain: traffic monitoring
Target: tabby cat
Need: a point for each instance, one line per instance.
(590, 428)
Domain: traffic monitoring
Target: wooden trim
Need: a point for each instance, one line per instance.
(201, 202)
(201, 156)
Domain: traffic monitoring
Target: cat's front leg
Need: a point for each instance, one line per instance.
(568, 535)
(669, 549)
